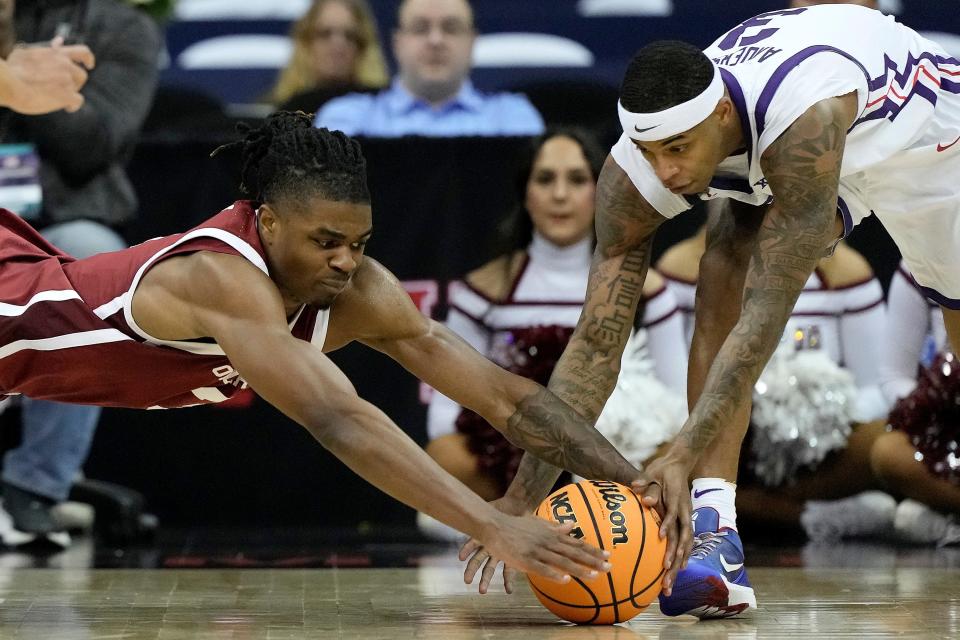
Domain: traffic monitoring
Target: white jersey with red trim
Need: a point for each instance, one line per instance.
(778, 64)
(846, 323)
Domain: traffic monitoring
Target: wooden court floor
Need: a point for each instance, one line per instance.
(430, 602)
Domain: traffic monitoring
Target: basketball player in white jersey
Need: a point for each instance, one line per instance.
(809, 119)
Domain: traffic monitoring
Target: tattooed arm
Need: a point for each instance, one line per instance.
(587, 372)
(379, 313)
(803, 169)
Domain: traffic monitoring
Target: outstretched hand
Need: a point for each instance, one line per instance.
(533, 545)
(665, 487)
(478, 558)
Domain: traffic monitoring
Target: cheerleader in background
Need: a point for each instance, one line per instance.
(520, 309)
(919, 459)
(817, 407)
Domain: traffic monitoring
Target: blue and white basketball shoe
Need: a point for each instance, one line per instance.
(714, 584)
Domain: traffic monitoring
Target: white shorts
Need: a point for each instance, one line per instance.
(916, 195)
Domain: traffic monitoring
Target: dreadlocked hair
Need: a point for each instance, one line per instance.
(664, 74)
(288, 158)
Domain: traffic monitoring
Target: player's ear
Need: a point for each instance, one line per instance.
(268, 220)
(725, 110)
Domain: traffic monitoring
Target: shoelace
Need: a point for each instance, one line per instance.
(705, 543)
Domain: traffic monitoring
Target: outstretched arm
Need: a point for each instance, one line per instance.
(229, 299)
(803, 169)
(527, 414)
(587, 372)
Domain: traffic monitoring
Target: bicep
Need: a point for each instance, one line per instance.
(803, 169)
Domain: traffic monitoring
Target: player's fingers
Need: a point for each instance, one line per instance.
(509, 578)
(572, 541)
(473, 565)
(648, 489)
(57, 42)
(467, 549)
(652, 493)
(669, 577)
(486, 576)
(585, 554)
(565, 529)
(548, 571)
(685, 533)
(668, 530)
(679, 543)
(567, 565)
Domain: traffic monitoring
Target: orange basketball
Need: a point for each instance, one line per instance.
(610, 516)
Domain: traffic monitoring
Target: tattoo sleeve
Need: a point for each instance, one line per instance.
(546, 427)
(587, 372)
(803, 169)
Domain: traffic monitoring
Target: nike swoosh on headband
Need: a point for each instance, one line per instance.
(647, 129)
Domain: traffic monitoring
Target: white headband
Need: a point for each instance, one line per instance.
(677, 119)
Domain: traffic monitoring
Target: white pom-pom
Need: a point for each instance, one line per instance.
(641, 413)
(803, 406)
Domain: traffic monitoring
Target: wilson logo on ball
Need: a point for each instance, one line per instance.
(613, 500)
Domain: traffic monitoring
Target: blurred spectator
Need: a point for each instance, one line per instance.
(520, 310)
(432, 94)
(336, 50)
(85, 195)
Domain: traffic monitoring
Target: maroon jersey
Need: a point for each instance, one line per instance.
(67, 332)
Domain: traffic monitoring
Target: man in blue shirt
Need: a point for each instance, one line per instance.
(432, 94)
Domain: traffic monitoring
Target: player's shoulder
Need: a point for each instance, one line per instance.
(682, 260)
(845, 268)
(494, 280)
(374, 306)
(373, 283)
(212, 277)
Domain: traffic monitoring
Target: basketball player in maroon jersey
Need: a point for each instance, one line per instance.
(254, 296)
